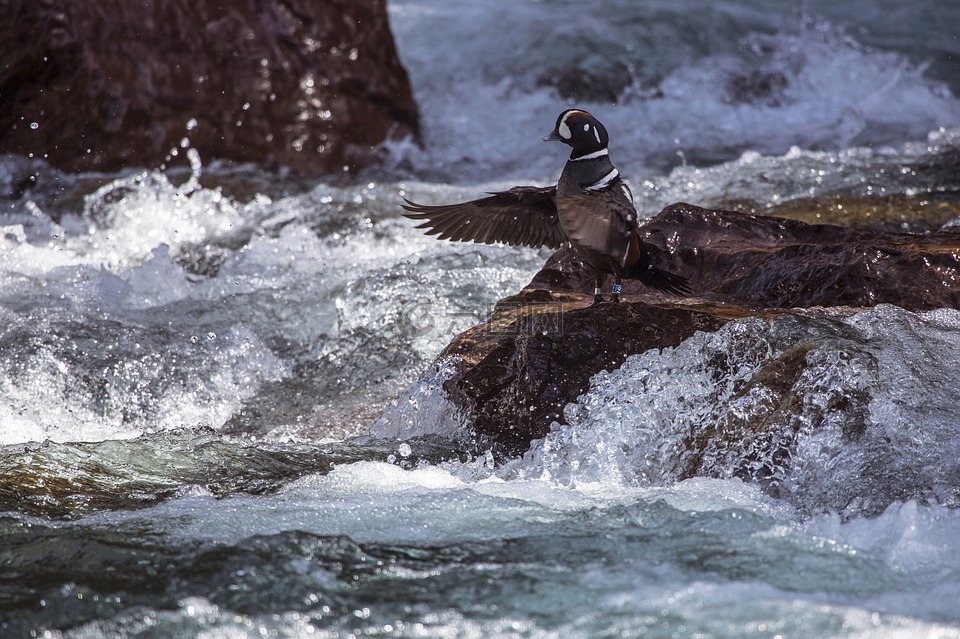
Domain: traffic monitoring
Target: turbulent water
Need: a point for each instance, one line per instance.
(220, 414)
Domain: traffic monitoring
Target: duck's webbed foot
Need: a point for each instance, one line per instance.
(597, 297)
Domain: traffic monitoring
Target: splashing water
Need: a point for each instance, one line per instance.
(190, 362)
(754, 78)
(830, 412)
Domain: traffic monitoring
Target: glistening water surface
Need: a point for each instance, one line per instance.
(220, 414)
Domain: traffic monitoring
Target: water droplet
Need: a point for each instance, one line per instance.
(405, 450)
(34, 126)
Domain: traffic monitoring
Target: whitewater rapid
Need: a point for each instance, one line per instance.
(221, 414)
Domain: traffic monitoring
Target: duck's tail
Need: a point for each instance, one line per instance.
(644, 270)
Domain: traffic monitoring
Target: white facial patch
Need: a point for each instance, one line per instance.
(564, 129)
(596, 134)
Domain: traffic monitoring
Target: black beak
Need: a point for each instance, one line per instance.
(553, 137)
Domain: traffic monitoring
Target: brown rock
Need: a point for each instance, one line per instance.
(310, 85)
(540, 348)
(770, 262)
(894, 212)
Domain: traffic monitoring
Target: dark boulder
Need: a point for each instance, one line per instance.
(539, 350)
(314, 86)
(537, 353)
(771, 262)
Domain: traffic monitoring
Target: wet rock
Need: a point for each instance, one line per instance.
(585, 82)
(313, 86)
(770, 262)
(894, 213)
(766, 88)
(539, 349)
(516, 372)
(74, 479)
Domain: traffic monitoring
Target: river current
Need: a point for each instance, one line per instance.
(220, 409)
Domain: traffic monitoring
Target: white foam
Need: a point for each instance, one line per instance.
(874, 419)
(332, 273)
(138, 394)
(424, 409)
(716, 555)
(805, 84)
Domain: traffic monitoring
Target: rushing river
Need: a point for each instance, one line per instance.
(220, 414)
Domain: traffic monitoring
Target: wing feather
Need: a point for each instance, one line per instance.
(522, 216)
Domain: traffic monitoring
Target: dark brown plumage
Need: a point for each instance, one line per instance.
(590, 209)
(522, 216)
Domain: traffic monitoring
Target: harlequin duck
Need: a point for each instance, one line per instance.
(590, 209)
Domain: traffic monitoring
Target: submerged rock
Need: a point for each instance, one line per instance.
(515, 373)
(313, 86)
(69, 480)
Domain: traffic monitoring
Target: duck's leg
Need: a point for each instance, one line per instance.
(597, 287)
(615, 290)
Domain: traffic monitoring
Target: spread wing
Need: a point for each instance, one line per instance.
(600, 221)
(522, 216)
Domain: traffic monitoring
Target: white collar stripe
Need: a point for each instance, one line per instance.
(591, 156)
(604, 181)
